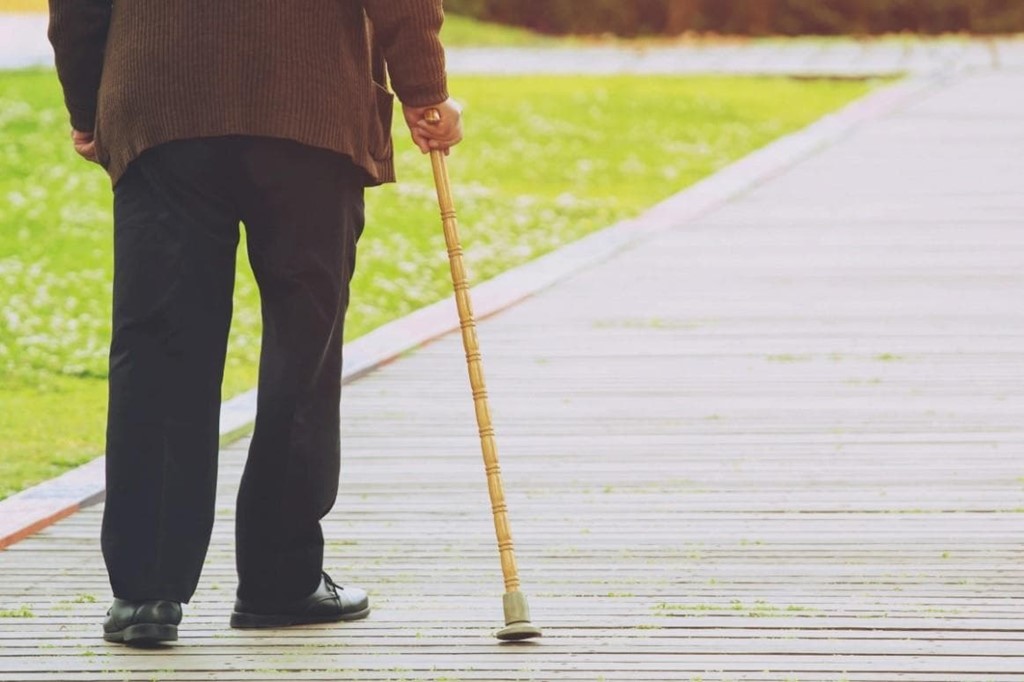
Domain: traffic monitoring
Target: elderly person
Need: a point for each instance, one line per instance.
(208, 114)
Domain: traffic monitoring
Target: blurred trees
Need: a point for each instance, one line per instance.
(750, 17)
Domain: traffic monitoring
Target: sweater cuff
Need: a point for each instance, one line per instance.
(423, 95)
(83, 119)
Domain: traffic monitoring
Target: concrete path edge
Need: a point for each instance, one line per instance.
(32, 510)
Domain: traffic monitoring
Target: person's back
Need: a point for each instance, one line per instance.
(306, 70)
(208, 113)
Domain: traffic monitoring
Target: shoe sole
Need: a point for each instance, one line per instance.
(144, 634)
(254, 621)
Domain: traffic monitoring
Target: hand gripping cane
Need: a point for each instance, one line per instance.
(517, 611)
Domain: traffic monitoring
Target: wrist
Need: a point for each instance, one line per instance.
(423, 96)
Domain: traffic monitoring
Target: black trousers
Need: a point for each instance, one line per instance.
(176, 229)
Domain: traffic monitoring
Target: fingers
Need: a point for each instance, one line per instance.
(439, 136)
(87, 152)
(421, 140)
(442, 135)
(85, 145)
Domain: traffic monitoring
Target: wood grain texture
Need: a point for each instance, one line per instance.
(784, 442)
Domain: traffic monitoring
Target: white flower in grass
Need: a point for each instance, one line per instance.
(15, 110)
(567, 200)
(633, 166)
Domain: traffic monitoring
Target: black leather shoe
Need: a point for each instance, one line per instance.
(142, 623)
(328, 604)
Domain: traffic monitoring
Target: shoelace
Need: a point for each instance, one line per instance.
(331, 585)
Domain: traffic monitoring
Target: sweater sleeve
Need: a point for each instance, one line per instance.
(408, 32)
(78, 33)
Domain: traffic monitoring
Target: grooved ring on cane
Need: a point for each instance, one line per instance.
(448, 215)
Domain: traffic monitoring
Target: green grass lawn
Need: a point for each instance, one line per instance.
(546, 161)
(462, 31)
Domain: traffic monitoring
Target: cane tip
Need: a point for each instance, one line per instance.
(432, 116)
(518, 632)
(517, 619)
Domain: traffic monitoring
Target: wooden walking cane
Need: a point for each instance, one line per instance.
(517, 611)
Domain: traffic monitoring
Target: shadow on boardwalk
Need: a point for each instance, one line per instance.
(784, 441)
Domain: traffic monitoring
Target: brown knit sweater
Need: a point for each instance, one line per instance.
(144, 72)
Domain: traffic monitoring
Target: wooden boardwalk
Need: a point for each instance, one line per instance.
(784, 442)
